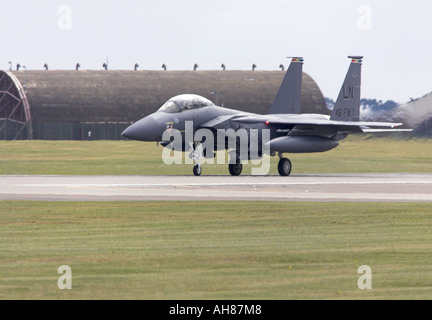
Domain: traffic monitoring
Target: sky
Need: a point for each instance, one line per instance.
(392, 35)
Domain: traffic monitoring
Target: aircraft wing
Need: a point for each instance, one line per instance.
(289, 122)
(217, 122)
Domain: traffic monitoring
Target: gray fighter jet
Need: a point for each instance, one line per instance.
(283, 130)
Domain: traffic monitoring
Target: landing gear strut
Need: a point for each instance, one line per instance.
(284, 166)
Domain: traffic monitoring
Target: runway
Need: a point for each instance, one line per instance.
(321, 187)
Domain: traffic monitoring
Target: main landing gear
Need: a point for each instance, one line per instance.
(284, 166)
(235, 169)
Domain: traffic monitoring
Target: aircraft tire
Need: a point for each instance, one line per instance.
(235, 169)
(284, 167)
(197, 170)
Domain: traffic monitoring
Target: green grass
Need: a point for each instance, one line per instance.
(209, 250)
(212, 250)
(354, 155)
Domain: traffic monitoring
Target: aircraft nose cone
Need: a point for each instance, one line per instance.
(143, 130)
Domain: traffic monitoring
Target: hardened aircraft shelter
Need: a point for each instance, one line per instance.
(94, 105)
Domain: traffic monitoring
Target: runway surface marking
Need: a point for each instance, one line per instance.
(112, 185)
(335, 187)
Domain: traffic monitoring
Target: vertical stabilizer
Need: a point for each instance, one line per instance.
(347, 106)
(289, 95)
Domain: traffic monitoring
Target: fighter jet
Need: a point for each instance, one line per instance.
(283, 130)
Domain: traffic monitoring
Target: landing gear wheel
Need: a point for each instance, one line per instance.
(235, 169)
(197, 170)
(284, 167)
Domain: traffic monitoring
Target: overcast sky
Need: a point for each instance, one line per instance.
(393, 35)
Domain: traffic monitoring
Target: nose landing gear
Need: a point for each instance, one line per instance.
(197, 170)
(196, 154)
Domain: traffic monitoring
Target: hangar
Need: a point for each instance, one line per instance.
(90, 104)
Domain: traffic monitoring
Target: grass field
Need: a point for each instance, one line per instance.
(212, 250)
(354, 155)
(208, 250)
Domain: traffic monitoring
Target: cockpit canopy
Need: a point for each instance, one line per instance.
(185, 102)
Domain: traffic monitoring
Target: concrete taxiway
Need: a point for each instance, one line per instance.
(329, 187)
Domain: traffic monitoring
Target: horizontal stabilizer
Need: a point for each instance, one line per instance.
(385, 130)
